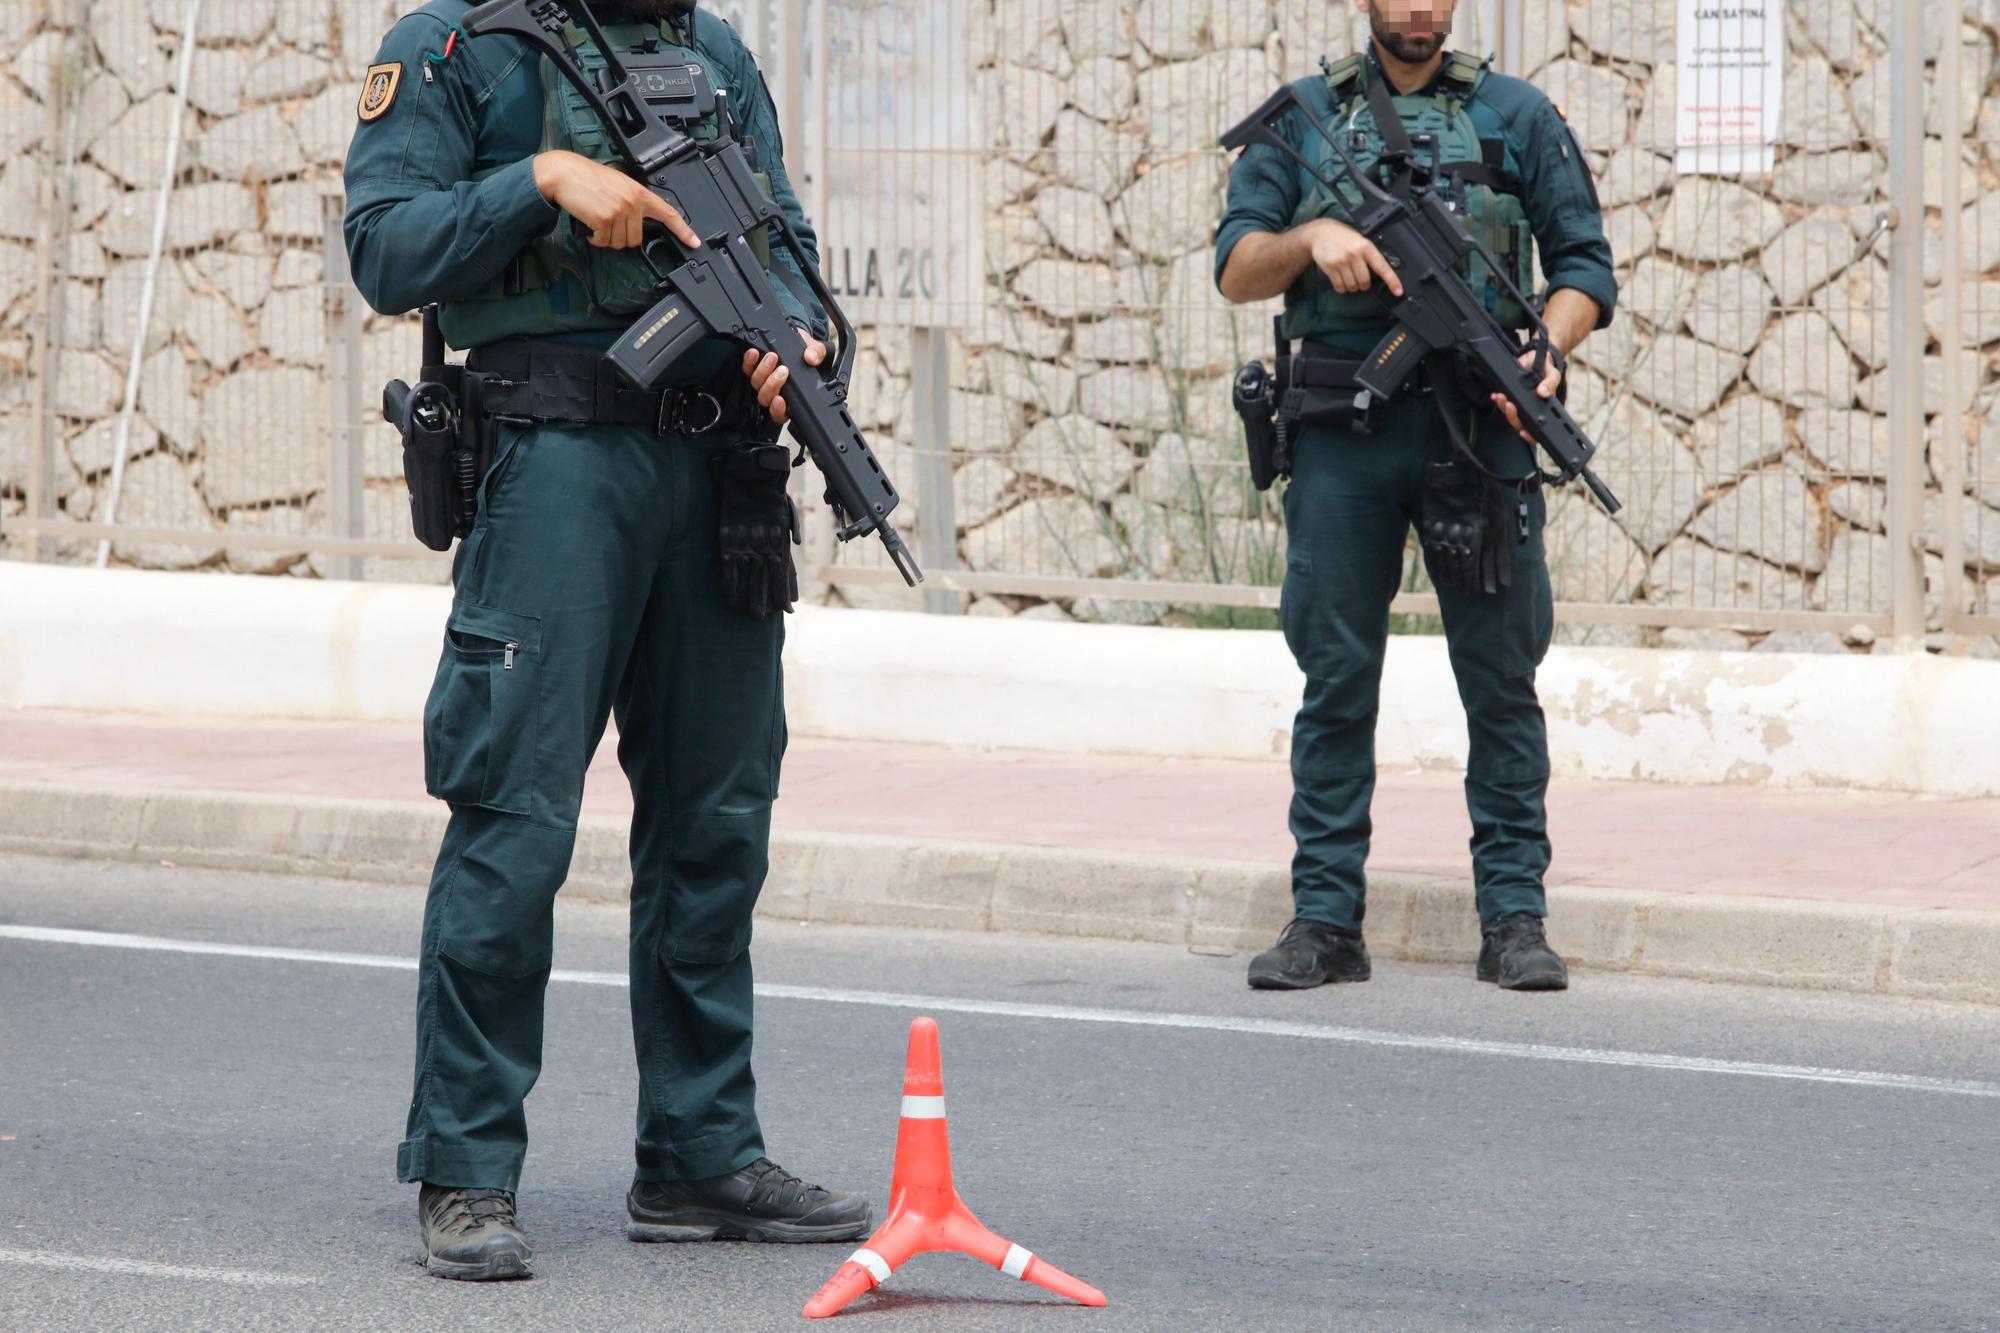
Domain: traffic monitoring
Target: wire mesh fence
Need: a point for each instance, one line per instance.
(1017, 198)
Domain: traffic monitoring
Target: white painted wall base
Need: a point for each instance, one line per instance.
(216, 645)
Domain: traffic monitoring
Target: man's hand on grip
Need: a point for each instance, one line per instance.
(1350, 260)
(614, 207)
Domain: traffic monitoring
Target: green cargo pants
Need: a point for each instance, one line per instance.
(1348, 509)
(589, 586)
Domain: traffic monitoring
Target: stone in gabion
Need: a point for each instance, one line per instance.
(1172, 208)
(292, 326)
(216, 331)
(1076, 453)
(1846, 443)
(134, 150)
(87, 386)
(1020, 105)
(1631, 175)
(1630, 232)
(124, 291)
(239, 21)
(1593, 98)
(1805, 255)
(1845, 176)
(279, 520)
(1683, 375)
(296, 210)
(1717, 220)
(1198, 475)
(94, 449)
(167, 398)
(1192, 104)
(286, 77)
(1591, 559)
(244, 280)
(1137, 398)
(1730, 308)
(1645, 463)
(1045, 386)
(981, 488)
(1873, 392)
(257, 145)
(1057, 535)
(159, 493)
(1772, 516)
(1978, 314)
(1077, 221)
(981, 423)
(1104, 89)
(325, 124)
(1690, 574)
(1857, 305)
(1804, 363)
(198, 216)
(1095, 29)
(1094, 157)
(1814, 112)
(215, 81)
(247, 459)
(1014, 238)
(1637, 32)
(1859, 576)
(1065, 289)
(1742, 435)
(1656, 129)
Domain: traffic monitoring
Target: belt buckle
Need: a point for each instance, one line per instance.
(675, 408)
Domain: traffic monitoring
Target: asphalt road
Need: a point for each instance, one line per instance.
(207, 1140)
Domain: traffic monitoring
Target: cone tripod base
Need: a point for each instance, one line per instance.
(925, 1213)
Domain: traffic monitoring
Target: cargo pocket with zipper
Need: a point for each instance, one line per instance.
(482, 722)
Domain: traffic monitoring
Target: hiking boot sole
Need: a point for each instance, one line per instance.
(1284, 981)
(721, 1226)
(499, 1268)
(1546, 980)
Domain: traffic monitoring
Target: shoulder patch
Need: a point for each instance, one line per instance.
(378, 90)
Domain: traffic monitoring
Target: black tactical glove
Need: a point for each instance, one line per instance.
(1464, 531)
(759, 527)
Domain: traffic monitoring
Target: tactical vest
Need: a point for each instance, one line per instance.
(1443, 133)
(562, 283)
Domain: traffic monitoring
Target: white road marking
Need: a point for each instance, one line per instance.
(83, 1263)
(1258, 1027)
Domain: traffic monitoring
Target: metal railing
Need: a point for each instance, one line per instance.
(1794, 398)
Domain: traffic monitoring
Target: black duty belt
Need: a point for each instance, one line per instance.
(1318, 366)
(552, 381)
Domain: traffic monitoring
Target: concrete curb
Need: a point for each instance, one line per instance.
(849, 880)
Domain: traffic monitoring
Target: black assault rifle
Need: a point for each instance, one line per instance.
(1438, 314)
(721, 289)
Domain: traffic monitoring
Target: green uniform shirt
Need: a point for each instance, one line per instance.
(441, 189)
(1540, 153)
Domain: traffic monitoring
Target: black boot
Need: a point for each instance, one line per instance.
(1516, 954)
(1310, 953)
(762, 1202)
(471, 1235)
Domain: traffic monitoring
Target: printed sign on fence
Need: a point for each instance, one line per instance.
(903, 236)
(1730, 86)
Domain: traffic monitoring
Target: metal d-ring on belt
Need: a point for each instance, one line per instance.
(541, 380)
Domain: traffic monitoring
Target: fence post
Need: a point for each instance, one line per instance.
(1951, 340)
(937, 522)
(346, 471)
(1509, 36)
(1906, 323)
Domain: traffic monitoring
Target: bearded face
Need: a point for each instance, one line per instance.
(1411, 30)
(641, 11)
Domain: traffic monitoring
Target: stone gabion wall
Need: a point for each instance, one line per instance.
(1739, 396)
(234, 421)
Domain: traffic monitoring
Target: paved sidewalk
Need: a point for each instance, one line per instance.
(1864, 849)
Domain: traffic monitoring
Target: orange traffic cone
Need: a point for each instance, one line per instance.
(925, 1212)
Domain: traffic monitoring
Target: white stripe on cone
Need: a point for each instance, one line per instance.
(923, 1108)
(1017, 1262)
(878, 1268)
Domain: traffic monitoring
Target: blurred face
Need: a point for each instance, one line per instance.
(1410, 30)
(642, 10)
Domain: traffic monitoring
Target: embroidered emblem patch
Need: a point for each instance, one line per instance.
(378, 90)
